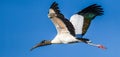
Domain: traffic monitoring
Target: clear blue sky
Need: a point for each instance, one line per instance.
(24, 23)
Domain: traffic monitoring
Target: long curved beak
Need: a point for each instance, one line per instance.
(36, 46)
(40, 44)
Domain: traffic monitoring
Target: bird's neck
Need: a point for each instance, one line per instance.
(47, 42)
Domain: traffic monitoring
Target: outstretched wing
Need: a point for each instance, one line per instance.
(61, 23)
(82, 19)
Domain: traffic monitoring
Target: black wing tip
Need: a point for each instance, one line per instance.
(98, 9)
(54, 4)
(94, 8)
(55, 7)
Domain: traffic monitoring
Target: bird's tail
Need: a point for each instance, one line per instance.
(85, 40)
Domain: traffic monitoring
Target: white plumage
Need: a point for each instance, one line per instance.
(77, 21)
(64, 38)
(72, 31)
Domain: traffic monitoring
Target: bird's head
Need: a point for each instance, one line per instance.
(42, 43)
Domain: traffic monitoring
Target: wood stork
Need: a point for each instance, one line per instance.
(72, 31)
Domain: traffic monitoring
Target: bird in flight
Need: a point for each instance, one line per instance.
(73, 30)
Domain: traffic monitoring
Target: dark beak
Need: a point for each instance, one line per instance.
(43, 43)
(36, 46)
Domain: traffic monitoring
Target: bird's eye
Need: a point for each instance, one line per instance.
(43, 41)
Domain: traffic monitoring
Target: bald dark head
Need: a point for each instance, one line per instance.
(42, 43)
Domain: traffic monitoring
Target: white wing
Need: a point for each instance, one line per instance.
(81, 21)
(77, 21)
(61, 23)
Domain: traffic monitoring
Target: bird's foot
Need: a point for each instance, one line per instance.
(102, 47)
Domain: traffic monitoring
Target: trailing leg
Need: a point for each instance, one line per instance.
(87, 41)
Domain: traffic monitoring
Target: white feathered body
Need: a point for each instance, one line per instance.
(64, 38)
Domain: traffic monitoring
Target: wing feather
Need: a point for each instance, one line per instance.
(81, 21)
(61, 23)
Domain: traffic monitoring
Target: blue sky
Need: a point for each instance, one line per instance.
(24, 23)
